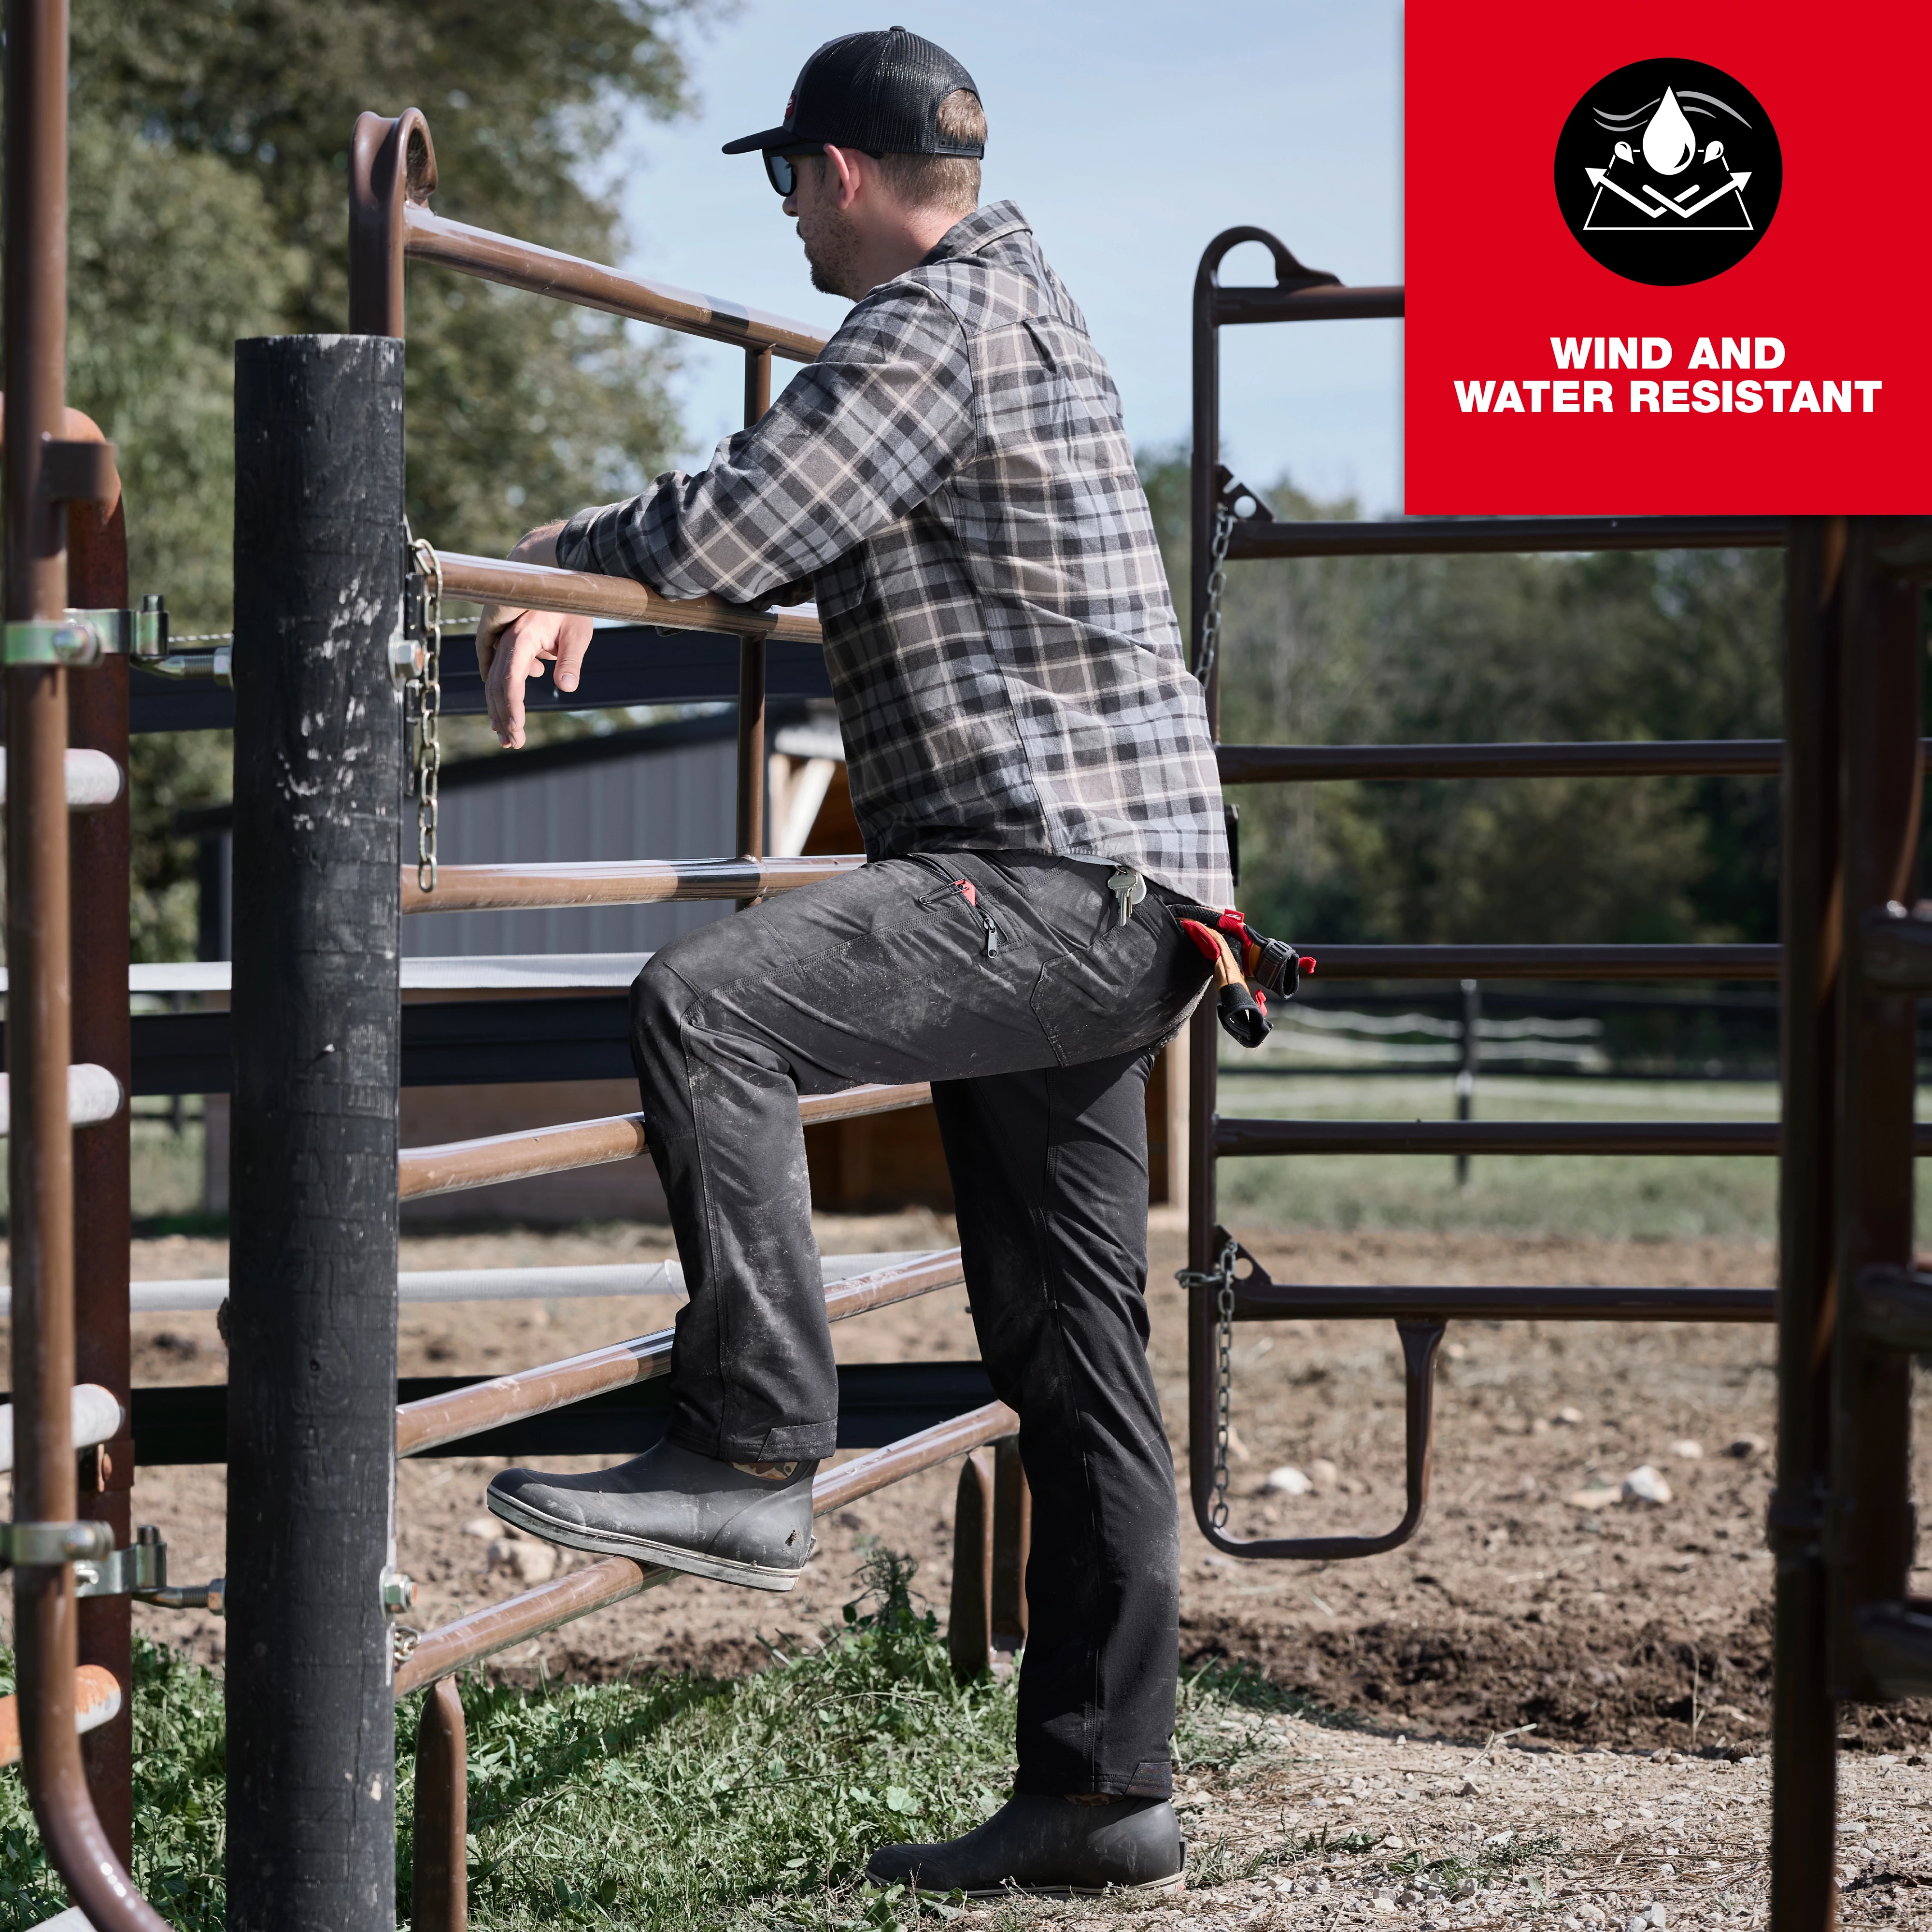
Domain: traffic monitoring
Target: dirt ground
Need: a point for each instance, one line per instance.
(1534, 1600)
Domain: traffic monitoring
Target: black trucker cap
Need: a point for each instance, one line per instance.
(879, 92)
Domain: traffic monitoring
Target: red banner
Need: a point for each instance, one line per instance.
(1674, 268)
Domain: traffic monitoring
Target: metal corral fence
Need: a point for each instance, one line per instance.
(330, 630)
(1855, 952)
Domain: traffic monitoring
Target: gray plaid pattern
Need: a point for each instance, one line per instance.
(952, 482)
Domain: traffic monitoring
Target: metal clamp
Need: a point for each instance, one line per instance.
(142, 1568)
(28, 1546)
(86, 636)
(61, 640)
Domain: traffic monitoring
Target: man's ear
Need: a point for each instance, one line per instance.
(842, 167)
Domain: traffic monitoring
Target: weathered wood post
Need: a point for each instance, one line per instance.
(319, 567)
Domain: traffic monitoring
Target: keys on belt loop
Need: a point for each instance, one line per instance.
(1128, 888)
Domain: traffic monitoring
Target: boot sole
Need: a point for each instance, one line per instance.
(1176, 1882)
(664, 1555)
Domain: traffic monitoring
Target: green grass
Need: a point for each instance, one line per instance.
(1604, 1197)
(659, 1802)
(180, 1802)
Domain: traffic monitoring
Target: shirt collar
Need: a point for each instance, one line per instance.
(979, 229)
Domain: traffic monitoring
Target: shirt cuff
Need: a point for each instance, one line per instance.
(575, 549)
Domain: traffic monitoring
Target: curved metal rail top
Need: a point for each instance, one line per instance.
(392, 175)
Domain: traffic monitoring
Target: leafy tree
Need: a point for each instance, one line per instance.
(1419, 650)
(209, 182)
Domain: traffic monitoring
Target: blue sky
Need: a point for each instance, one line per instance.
(1131, 133)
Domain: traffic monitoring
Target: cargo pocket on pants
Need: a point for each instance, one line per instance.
(1132, 985)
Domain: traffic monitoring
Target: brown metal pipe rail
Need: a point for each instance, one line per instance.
(597, 1585)
(1264, 1300)
(1231, 1137)
(43, 473)
(1478, 536)
(455, 1166)
(1304, 764)
(582, 593)
(1545, 962)
(435, 1421)
(428, 237)
(392, 175)
(545, 887)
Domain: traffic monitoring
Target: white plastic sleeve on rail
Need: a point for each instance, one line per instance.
(93, 1095)
(207, 1293)
(94, 781)
(98, 1417)
(72, 1919)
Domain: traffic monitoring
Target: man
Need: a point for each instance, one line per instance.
(1030, 766)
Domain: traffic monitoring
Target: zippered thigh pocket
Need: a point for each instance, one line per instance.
(966, 893)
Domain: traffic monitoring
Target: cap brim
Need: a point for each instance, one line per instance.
(772, 138)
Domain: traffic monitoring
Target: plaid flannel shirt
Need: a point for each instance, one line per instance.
(952, 480)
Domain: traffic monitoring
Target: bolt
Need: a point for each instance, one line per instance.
(75, 644)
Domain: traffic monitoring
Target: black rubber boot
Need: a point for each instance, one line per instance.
(672, 1508)
(1050, 1846)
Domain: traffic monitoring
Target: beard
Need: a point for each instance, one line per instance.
(831, 245)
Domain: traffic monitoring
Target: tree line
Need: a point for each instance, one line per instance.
(208, 193)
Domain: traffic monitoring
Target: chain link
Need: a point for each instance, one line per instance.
(1217, 583)
(1221, 1279)
(428, 762)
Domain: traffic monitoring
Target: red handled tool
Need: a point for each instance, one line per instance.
(1246, 976)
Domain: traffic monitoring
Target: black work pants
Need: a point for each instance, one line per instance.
(1037, 1014)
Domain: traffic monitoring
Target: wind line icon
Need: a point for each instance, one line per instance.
(1667, 179)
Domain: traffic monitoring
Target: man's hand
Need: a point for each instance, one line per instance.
(513, 645)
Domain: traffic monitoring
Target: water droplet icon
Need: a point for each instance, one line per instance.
(1669, 142)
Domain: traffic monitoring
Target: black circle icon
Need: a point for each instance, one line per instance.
(1669, 171)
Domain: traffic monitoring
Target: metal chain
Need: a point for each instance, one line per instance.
(429, 713)
(1221, 1279)
(1217, 583)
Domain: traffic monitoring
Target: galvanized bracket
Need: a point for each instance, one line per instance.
(61, 640)
(141, 1567)
(86, 636)
(28, 1546)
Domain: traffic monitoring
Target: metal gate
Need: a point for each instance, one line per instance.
(1852, 957)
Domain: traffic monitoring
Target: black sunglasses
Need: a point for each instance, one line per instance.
(779, 170)
(783, 175)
